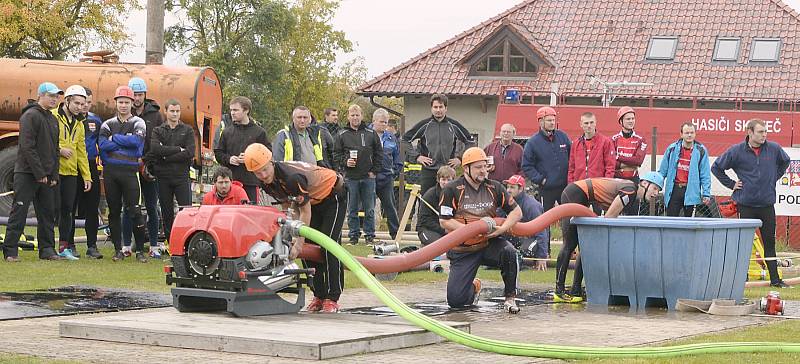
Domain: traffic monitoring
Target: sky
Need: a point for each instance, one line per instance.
(384, 33)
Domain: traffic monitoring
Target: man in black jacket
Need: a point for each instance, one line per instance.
(36, 175)
(235, 139)
(172, 151)
(359, 153)
(438, 144)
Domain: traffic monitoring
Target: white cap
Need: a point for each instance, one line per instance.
(75, 90)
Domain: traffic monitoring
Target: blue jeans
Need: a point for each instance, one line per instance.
(150, 196)
(386, 193)
(360, 192)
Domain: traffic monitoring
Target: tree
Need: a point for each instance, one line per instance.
(61, 29)
(239, 39)
(279, 54)
(310, 56)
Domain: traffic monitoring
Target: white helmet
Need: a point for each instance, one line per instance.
(75, 90)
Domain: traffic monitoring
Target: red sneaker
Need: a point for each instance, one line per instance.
(315, 305)
(330, 306)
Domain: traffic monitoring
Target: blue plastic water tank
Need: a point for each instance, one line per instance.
(654, 257)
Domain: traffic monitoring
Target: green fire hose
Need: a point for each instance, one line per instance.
(526, 349)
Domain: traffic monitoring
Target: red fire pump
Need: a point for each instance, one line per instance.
(771, 304)
(235, 259)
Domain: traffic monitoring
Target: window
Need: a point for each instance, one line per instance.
(765, 50)
(505, 59)
(662, 48)
(726, 49)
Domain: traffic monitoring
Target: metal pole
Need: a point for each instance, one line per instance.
(653, 159)
(154, 47)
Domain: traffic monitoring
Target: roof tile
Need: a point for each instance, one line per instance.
(580, 40)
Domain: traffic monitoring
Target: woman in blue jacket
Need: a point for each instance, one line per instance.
(688, 173)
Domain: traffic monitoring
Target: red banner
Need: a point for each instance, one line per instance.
(717, 129)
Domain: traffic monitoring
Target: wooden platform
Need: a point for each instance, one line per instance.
(303, 336)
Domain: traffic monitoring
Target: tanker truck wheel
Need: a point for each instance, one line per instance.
(8, 157)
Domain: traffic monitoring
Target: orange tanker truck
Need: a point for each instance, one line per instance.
(197, 88)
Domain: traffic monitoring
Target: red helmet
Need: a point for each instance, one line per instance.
(123, 91)
(545, 111)
(624, 110)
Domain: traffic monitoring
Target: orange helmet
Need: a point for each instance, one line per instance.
(123, 91)
(624, 110)
(473, 155)
(545, 111)
(256, 156)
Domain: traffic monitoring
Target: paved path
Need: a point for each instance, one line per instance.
(548, 323)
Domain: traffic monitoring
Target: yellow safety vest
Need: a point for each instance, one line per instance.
(288, 150)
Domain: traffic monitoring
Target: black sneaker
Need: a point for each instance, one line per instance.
(353, 241)
(141, 257)
(370, 240)
(93, 253)
(780, 284)
(118, 256)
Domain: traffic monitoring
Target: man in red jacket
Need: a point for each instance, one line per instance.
(225, 192)
(592, 154)
(630, 147)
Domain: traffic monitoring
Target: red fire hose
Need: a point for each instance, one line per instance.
(404, 262)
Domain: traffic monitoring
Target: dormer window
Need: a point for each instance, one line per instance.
(505, 59)
(509, 52)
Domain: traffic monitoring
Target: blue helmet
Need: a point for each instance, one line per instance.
(654, 177)
(137, 85)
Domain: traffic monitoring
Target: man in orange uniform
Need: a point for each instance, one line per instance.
(470, 198)
(321, 201)
(612, 195)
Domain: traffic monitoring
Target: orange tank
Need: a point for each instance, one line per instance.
(197, 88)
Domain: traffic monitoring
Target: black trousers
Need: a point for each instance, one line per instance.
(27, 189)
(427, 179)
(767, 230)
(464, 266)
(87, 206)
(569, 232)
(550, 196)
(328, 218)
(675, 207)
(68, 186)
(122, 184)
(169, 190)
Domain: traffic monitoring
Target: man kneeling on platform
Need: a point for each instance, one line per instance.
(615, 197)
(470, 198)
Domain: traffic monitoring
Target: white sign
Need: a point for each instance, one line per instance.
(788, 187)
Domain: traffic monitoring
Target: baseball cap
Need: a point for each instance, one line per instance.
(49, 88)
(515, 180)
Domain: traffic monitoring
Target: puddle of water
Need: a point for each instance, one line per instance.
(74, 300)
(532, 303)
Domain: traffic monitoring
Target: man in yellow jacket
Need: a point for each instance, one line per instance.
(73, 159)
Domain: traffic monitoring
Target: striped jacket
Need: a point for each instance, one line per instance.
(122, 143)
